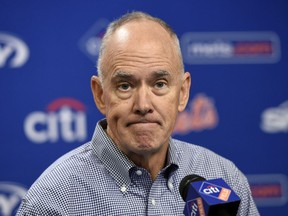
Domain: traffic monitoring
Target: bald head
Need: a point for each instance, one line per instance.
(135, 31)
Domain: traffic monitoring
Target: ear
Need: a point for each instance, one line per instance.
(97, 90)
(184, 91)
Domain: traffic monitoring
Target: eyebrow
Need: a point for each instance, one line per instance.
(161, 73)
(122, 74)
(130, 76)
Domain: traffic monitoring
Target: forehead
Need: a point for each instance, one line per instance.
(140, 44)
(141, 30)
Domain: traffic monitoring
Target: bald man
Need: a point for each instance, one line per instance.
(132, 165)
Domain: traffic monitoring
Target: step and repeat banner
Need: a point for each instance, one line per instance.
(236, 52)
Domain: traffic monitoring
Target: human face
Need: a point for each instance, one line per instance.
(142, 90)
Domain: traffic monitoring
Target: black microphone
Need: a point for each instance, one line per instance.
(208, 197)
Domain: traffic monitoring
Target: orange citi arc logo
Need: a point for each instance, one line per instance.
(201, 115)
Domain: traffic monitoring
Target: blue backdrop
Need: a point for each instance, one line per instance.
(236, 52)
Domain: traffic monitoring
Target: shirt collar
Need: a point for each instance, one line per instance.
(117, 163)
(173, 157)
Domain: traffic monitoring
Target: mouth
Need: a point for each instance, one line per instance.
(142, 122)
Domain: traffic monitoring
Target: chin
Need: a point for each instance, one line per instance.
(147, 148)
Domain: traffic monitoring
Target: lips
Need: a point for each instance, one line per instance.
(142, 121)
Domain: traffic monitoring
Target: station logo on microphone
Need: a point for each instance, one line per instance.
(215, 191)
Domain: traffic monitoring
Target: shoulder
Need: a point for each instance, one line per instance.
(69, 162)
(48, 195)
(60, 176)
(198, 154)
(195, 159)
(201, 161)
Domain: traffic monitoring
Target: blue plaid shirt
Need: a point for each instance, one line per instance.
(98, 179)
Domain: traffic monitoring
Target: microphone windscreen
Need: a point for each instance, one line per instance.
(184, 184)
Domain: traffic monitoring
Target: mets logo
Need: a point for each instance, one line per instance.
(201, 114)
(215, 191)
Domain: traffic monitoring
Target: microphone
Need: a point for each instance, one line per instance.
(208, 197)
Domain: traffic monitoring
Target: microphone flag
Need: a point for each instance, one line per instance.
(211, 197)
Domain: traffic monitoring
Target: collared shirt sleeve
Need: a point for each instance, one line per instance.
(241, 185)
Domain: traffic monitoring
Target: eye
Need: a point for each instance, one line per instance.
(160, 84)
(124, 86)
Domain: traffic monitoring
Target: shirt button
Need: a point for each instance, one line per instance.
(170, 186)
(139, 172)
(153, 201)
(123, 188)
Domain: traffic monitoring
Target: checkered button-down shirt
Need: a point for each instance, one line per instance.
(98, 179)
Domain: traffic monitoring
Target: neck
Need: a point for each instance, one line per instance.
(152, 163)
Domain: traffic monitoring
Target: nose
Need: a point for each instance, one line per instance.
(142, 101)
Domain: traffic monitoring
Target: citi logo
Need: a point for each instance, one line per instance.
(230, 47)
(14, 52)
(64, 118)
(211, 190)
(215, 191)
(11, 195)
(275, 119)
(196, 207)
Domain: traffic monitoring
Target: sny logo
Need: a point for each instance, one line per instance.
(14, 50)
(65, 117)
(90, 43)
(215, 191)
(10, 197)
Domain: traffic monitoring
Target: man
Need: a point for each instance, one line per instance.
(132, 166)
